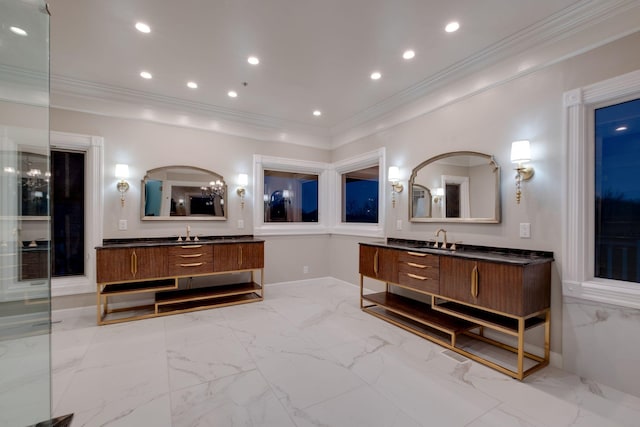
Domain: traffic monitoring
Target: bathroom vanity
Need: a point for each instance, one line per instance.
(464, 297)
(163, 269)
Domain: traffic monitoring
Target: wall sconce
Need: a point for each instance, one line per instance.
(520, 154)
(122, 173)
(394, 177)
(438, 193)
(243, 181)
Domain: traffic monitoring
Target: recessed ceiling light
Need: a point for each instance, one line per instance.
(145, 75)
(317, 113)
(192, 85)
(408, 54)
(19, 31)
(253, 60)
(621, 128)
(232, 94)
(376, 75)
(452, 27)
(142, 27)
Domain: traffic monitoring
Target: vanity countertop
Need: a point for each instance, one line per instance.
(173, 241)
(483, 253)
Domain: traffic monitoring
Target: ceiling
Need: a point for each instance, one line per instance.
(313, 54)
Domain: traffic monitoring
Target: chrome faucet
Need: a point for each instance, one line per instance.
(444, 240)
(188, 233)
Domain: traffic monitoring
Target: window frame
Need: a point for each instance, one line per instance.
(578, 248)
(371, 158)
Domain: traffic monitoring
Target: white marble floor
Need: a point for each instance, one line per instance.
(306, 356)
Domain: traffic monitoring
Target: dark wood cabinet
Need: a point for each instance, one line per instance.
(379, 263)
(238, 256)
(125, 264)
(157, 270)
(519, 290)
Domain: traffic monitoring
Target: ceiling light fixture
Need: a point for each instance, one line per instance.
(142, 27)
(317, 113)
(621, 128)
(376, 75)
(408, 54)
(192, 85)
(253, 60)
(452, 27)
(232, 94)
(19, 31)
(145, 75)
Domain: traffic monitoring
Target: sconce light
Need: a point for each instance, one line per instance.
(243, 181)
(520, 154)
(122, 173)
(394, 177)
(438, 193)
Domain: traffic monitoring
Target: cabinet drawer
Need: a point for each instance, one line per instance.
(419, 272)
(190, 259)
(420, 259)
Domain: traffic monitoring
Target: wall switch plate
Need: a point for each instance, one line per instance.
(241, 223)
(122, 225)
(305, 269)
(525, 230)
(399, 224)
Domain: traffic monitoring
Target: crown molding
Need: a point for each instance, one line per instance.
(83, 96)
(570, 21)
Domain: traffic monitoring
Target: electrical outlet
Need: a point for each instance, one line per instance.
(241, 223)
(305, 269)
(525, 230)
(399, 224)
(122, 225)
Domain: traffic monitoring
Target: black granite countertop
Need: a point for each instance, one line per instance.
(173, 241)
(484, 253)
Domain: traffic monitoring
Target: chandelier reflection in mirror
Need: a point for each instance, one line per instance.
(214, 189)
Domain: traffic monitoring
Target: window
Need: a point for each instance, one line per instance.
(595, 264)
(290, 197)
(617, 191)
(360, 195)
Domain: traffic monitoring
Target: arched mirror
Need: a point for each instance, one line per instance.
(462, 186)
(183, 192)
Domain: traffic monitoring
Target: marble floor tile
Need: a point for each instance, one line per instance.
(305, 356)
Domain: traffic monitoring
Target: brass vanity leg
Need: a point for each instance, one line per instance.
(361, 291)
(547, 335)
(99, 306)
(520, 348)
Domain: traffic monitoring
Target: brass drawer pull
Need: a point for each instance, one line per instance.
(415, 276)
(191, 247)
(375, 263)
(240, 257)
(193, 264)
(417, 254)
(191, 256)
(134, 263)
(413, 264)
(474, 282)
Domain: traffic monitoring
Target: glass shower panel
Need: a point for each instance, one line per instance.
(25, 310)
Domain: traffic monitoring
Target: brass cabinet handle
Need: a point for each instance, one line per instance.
(415, 276)
(193, 264)
(413, 264)
(417, 254)
(474, 281)
(191, 256)
(240, 259)
(375, 262)
(191, 247)
(134, 263)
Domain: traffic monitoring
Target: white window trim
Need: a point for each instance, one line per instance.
(362, 161)
(261, 228)
(93, 147)
(577, 267)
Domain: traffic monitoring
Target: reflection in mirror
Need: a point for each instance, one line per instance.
(183, 192)
(461, 186)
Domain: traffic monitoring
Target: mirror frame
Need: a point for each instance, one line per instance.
(491, 161)
(215, 175)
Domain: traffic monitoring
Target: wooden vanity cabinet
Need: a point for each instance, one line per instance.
(126, 264)
(379, 263)
(519, 290)
(238, 256)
